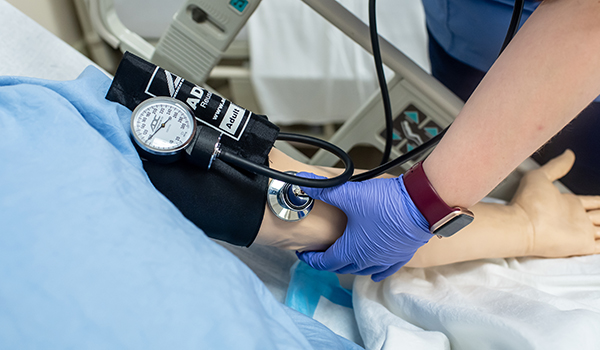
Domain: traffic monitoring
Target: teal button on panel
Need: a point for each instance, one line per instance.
(414, 116)
(239, 5)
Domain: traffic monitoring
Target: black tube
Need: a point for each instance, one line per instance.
(513, 27)
(300, 181)
(419, 150)
(385, 97)
(512, 30)
(347, 174)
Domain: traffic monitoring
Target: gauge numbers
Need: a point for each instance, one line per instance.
(162, 125)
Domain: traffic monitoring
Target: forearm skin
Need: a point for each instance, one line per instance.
(545, 77)
(498, 231)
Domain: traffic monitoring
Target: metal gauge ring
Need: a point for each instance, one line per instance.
(162, 128)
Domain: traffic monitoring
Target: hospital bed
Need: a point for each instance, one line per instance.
(280, 44)
(521, 303)
(296, 48)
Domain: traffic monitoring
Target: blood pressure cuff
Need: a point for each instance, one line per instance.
(226, 202)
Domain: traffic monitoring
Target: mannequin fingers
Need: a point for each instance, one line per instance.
(590, 202)
(597, 235)
(594, 216)
(597, 246)
(559, 166)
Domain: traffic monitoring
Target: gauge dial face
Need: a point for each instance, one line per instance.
(162, 125)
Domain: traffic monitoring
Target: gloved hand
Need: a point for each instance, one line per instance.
(383, 232)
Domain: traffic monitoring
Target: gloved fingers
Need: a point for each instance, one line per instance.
(559, 166)
(351, 268)
(370, 270)
(328, 195)
(377, 277)
(356, 270)
(590, 202)
(324, 261)
(311, 191)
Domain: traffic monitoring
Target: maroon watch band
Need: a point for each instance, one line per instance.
(424, 195)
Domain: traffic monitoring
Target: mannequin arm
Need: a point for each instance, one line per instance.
(539, 221)
(504, 231)
(498, 231)
(317, 231)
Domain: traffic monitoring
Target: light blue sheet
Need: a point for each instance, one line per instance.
(93, 257)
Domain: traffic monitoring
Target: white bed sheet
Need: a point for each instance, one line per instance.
(524, 303)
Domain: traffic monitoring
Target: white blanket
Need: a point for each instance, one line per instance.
(521, 303)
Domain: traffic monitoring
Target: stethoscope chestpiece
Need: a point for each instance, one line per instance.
(288, 202)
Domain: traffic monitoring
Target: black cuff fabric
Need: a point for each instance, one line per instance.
(226, 202)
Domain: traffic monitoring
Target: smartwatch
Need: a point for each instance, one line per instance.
(444, 221)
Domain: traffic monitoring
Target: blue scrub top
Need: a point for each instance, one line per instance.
(472, 31)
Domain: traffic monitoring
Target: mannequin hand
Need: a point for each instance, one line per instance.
(384, 228)
(561, 224)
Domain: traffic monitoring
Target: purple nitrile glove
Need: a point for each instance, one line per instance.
(383, 232)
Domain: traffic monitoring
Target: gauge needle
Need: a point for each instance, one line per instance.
(157, 130)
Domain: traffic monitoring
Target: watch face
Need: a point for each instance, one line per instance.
(162, 126)
(453, 225)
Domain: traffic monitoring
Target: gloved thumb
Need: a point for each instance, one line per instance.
(323, 261)
(378, 277)
(315, 193)
(329, 195)
(336, 196)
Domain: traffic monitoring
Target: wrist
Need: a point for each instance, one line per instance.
(417, 218)
(498, 231)
(444, 221)
(524, 226)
